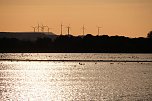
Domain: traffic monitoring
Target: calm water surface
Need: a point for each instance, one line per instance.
(75, 81)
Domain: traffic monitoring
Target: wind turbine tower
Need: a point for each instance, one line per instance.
(83, 30)
(38, 27)
(61, 28)
(48, 29)
(42, 28)
(99, 30)
(68, 30)
(34, 29)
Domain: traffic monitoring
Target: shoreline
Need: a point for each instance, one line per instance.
(74, 60)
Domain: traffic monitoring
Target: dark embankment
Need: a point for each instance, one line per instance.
(79, 44)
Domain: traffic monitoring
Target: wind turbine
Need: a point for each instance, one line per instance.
(34, 28)
(61, 28)
(99, 30)
(42, 28)
(38, 27)
(48, 28)
(83, 30)
(68, 30)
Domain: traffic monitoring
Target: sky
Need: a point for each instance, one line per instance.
(132, 18)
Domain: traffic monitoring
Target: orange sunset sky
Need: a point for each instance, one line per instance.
(132, 18)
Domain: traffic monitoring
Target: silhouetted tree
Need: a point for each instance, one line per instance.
(149, 35)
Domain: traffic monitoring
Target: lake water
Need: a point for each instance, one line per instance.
(105, 77)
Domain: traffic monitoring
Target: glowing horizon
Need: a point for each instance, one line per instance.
(116, 17)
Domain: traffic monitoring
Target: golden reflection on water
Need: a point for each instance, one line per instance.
(66, 81)
(30, 81)
(36, 82)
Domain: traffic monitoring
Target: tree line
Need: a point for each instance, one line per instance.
(79, 44)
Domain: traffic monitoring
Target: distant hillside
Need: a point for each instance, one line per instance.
(30, 36)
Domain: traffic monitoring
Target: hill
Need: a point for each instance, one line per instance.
(28, 36)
